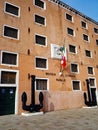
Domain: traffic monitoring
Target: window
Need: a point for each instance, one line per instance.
(69, 17)
(83, 24)
(40, 3)
(41, 63)
(11, 32)
(70, 31)
(40, 19)
(96, 30)
(72, 48)
(85, 37)
(97, 42)
(12, 9)
(9, 58)
(90, 70)
(41, 84)
(92, 82)
(88, 53)
(41, 40)
(74, 68)
(8, 77)
(76, 85)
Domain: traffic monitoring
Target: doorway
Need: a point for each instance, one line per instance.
(7, 100)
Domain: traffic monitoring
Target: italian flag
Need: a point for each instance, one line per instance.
(63, 60)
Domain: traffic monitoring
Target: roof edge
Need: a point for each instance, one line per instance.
(64, 5)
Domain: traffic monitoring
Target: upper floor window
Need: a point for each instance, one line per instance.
(97, 42)
(9, 58)
(76, 85)
(72, 49)
(92, 82)
(40, 3)
(12, 9)
(41, 84)
(74, 68)
(90, 70)
(70, 31)
(69, 17)
(96, 30)
(41, 40)
(41, 63)
(83, 24)
(10, 32)
(39, 19)
(86, 37)
(88, 53)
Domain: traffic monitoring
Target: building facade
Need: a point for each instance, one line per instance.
(31, 34)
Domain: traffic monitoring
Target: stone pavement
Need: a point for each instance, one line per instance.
(73, 119)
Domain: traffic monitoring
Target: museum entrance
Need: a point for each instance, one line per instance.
(7, 100)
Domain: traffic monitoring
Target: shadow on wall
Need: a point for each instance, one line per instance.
(48, 106)
(62, 100)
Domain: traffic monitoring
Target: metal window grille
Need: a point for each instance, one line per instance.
(39, 19)
(8, 58)
(41, 63)
(10, 32)
(39, 3)
(41, 84)
(12, 9)
(8, 77)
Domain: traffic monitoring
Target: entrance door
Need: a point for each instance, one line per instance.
(7, 100)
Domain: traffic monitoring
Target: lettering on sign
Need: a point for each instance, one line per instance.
(51, 74)
(61, 80)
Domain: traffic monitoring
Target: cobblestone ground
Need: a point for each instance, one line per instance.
(73, 119)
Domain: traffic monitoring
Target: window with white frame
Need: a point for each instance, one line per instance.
(40, 3)
(10, 32)
(76, 85)
(72, 49)
(9, 58)
(41, 63)
(84, 24)
(88, 53)
(86, 37)
(92, 82)
(90, 70)
(8, 77)
(96, 30)
(12, 9)
(39, 19)
(41, 40)
(74, 68)
(97, 42)
(70, 32)
(69, 17)
(41, 84)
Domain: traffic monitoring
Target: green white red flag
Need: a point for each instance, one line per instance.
(63, 60)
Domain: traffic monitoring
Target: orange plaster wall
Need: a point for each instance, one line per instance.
(61, 100)
(60, 94)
